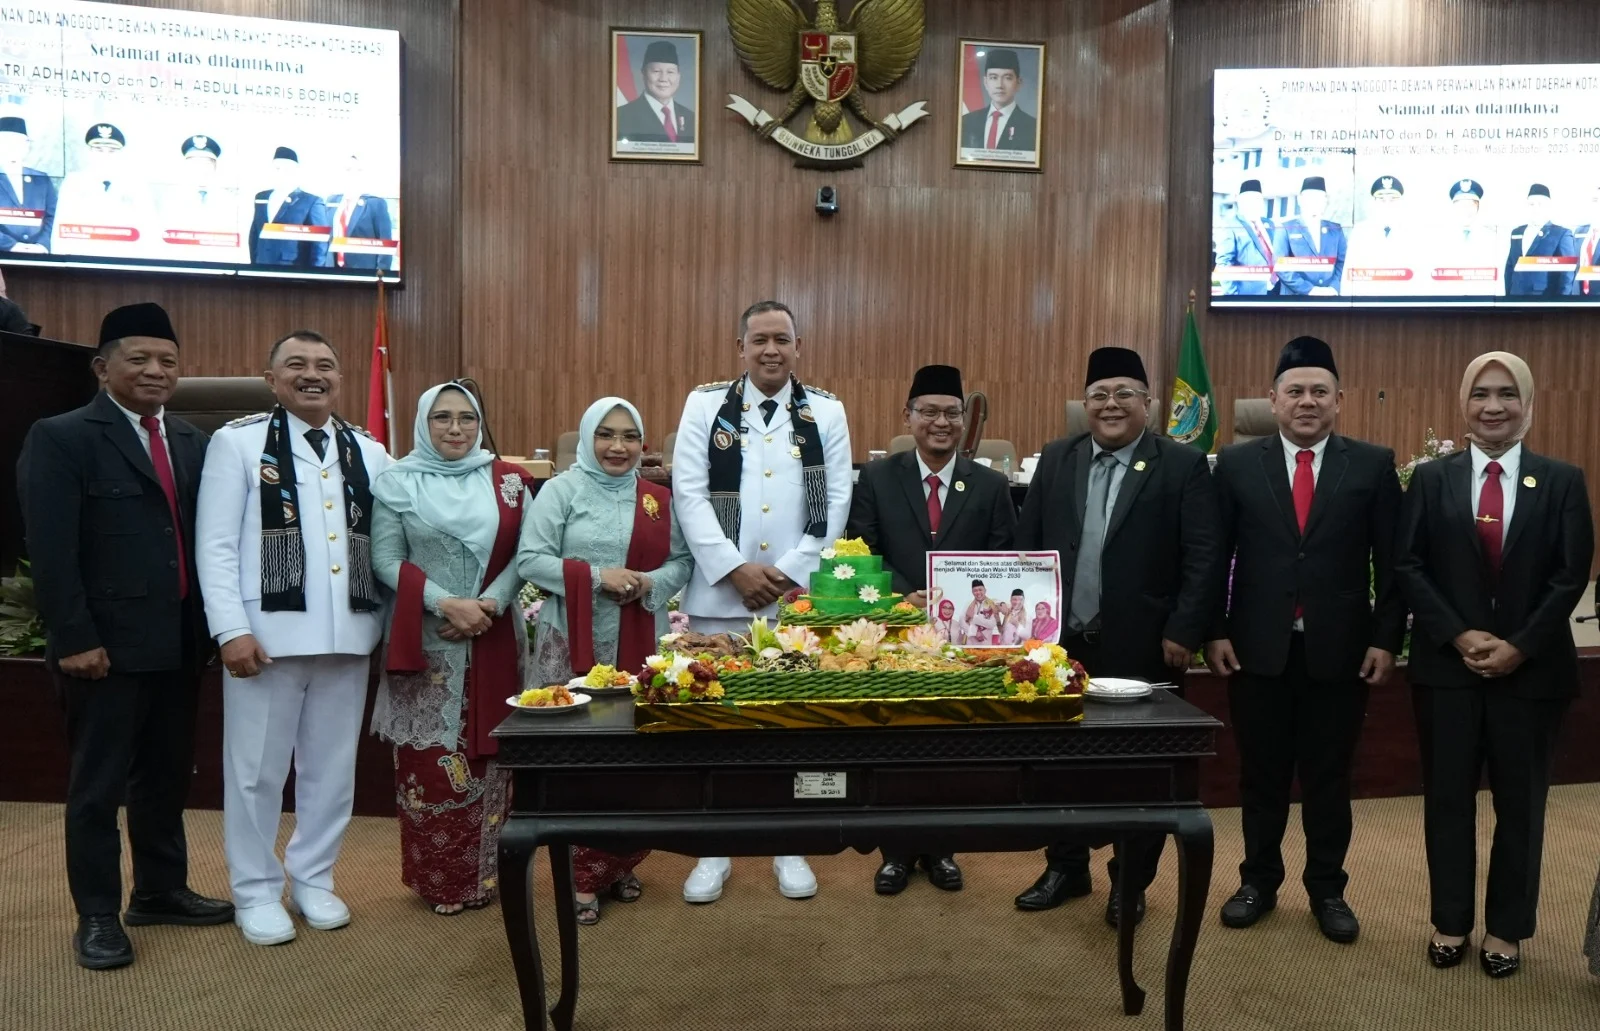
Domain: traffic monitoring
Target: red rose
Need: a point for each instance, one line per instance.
(702, 671)
(1024, 671)
(792, 595)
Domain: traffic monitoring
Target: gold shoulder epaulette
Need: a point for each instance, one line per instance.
(820, 392)
(719, 385)
(361, 431)
(246, 420)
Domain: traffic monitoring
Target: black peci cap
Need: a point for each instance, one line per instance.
(137, 320)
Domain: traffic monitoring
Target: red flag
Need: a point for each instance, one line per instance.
(972, 95)
(627, 89)
(380, 393)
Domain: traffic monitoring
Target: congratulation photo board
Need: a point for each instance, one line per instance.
(995, 599)
(144, 138)
(1406, 187)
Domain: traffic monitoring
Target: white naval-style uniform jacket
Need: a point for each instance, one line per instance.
(228, 553)
(772, 494)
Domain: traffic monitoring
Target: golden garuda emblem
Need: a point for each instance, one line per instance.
(828, 64)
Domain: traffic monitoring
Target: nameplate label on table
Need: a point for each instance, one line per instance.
(819, 785)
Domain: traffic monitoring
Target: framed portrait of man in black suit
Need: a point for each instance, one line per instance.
(1000, 95)
(655, 81)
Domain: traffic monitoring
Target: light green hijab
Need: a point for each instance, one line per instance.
(587, 462)
(456, 498)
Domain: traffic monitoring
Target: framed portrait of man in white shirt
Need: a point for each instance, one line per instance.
(1000, 95)
(655, 105)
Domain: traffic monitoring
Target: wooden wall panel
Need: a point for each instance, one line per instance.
(1415, 359)
(226, 326)
(582, 277)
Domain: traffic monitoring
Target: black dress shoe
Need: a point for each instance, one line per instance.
(1446, 956)
(1053, 888)
(179, 906)
(891, 878)
(1337, 920)
(1248, 905)
(1498, 964)
(943, 872)
(101, 943)
(1111, 908)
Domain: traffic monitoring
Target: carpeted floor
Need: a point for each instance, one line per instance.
(925, 960)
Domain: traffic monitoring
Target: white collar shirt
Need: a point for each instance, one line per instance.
(1510, 466)
(138, 427)
(1005, 120)
(1124, 458)
(1291, 450)
(946, 475)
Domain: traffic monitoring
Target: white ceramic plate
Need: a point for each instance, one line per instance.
(578, 702)
(576, 684)
(1116, 689)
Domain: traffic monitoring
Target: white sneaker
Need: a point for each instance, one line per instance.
(706, 879)
(265, 925)
(795, 879)
(322, 909)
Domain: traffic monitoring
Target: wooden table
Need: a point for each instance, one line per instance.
(589, 778)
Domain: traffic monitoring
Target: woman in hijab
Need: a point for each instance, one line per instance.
(1045, 625)
(445, 523)
(605, 544)
(1494, 550)
(944, 622)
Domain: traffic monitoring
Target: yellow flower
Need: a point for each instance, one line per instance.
(685, 678)
(714, 689)
(855, 546)
(1027, 692)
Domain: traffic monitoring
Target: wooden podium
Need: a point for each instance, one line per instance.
(38, 378)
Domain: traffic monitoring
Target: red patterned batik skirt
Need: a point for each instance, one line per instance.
(593, 871)
(451, 809)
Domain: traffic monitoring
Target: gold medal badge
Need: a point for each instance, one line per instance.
(651, 506)
(1529, 481)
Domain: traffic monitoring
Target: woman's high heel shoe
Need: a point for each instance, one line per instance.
(1498, 964)
(1445, 956)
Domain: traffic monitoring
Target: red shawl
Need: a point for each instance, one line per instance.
(652, 540)
(492, 676)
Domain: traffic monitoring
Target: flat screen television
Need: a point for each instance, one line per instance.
(1406, 187)
(174, 141)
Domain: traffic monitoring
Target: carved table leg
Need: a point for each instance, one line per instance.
(1132, 994)
(567, 930)
(518, 839)
(1193, 836)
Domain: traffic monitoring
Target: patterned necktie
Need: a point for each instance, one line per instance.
(1086, 575)
(994, 130)
(169, 487)
(768, 408)
(1491, 509)
(666, 123)
(935, 512)
(319, 441)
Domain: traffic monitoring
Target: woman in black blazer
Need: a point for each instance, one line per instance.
(1494, 551)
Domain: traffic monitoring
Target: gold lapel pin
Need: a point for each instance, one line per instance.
(1529, 481)
(960, 486)
(794, 452)
(1138, 466)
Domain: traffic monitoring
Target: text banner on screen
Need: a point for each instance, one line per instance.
(144, 138)
(1427, 187)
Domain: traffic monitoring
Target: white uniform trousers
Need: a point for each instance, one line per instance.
(722, 625)
(304, 707)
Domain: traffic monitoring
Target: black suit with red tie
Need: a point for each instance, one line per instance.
(113, 568)
(1298, 700)
(1465, 721)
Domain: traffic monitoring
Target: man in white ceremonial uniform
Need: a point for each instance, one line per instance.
(761, 484)
(285, 562)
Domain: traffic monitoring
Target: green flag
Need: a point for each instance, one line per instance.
(1194, 410)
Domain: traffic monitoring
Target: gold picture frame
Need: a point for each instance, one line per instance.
(639, 129)
(982, 140)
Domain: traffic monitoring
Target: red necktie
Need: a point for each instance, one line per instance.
(994, 129)
(1587, 259)
(169, 487)
(935, 512)
(344, 230)
(1304, 487)
(1265, 245)
(666, 121)
(1491, 510)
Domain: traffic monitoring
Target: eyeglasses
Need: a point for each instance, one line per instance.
(444, 420)
(933, 414)
(1100, 397)
(628, 436)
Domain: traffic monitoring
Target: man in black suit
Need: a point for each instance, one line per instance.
(287, 204)
(108, 499)
(1540, 238)
(1134, 516)
(1305, 515)
(357, 215)
(929, 499)
(1002, 125)
(655, 116)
